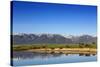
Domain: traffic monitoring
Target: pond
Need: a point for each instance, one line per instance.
(23, 58)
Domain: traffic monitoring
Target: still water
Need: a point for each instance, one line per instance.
(34, 58)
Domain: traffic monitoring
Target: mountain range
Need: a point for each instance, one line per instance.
(51, 39)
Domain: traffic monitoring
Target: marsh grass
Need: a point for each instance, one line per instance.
(21, 47)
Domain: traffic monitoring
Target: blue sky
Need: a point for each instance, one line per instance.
(33, 17)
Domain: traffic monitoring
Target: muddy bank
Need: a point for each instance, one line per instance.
(66, 50)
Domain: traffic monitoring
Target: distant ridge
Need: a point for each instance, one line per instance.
(22, 38)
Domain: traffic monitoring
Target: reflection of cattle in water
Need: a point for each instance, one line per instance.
(26, 55)
(93, 54)
(87, 54)
(82, 54)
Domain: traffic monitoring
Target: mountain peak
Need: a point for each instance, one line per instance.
(23, 38)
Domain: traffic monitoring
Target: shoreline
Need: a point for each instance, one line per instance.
(66, 50)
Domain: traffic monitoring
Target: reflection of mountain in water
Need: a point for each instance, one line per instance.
(24, 55)
(27, 55)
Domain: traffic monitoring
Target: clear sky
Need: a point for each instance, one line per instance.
(32, 17)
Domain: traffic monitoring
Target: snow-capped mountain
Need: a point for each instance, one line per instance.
(51, 38)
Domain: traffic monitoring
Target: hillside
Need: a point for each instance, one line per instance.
(51, 39)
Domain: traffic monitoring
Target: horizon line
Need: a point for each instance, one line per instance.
(64, 34)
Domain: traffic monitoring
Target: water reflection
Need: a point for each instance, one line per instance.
(87, 55)
(29, 55)
(81, 54)
(93, 54)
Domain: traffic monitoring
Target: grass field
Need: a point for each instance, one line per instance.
(21, 47)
